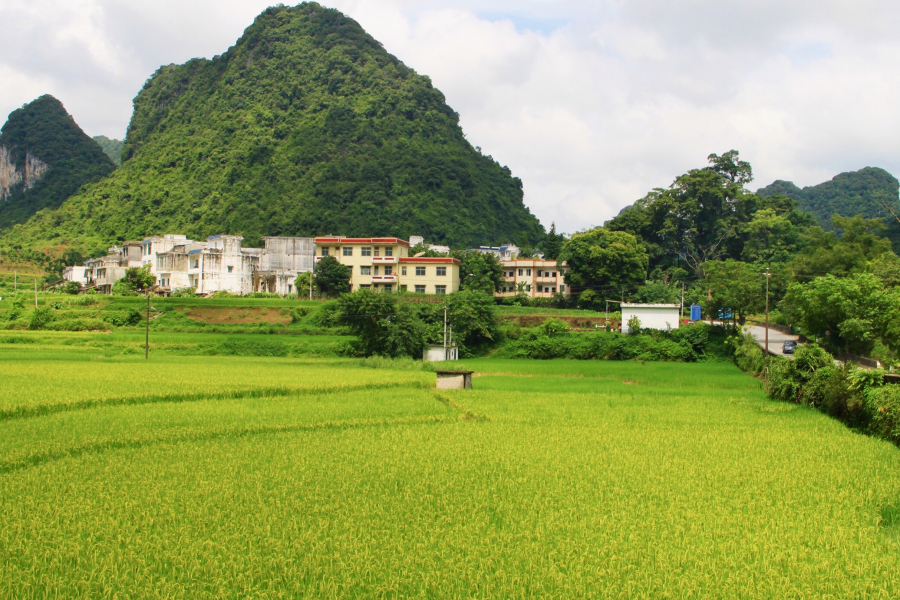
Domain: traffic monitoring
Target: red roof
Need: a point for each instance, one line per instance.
(429, 259)
(343, 240)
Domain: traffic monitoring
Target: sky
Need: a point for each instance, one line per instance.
(592, 103)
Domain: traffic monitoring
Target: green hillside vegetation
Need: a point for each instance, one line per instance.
(45, 131)
(306, 126)
(112, 148)
(860, 192)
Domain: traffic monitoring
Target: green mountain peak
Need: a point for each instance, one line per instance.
(306, 126)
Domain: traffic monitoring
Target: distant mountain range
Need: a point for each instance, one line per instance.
(860, 192)
(306, 126)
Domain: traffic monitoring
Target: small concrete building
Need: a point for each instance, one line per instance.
(438, 353)
(79, 274)
(454, 380)
(652, 316)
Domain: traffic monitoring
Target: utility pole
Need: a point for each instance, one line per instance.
(147, 338)
(310, 284)
(681, 312)
(709, 301)
(445, 333)
(767, 274)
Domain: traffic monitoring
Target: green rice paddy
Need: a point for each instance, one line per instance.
(194, 477)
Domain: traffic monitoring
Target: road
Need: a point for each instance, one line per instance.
(776, 339)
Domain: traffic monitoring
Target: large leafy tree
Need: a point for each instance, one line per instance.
(849, 249)
(137, 279)
(600, 258)
(735, 285)
(382, 325)
(332, 277)
(479, 271)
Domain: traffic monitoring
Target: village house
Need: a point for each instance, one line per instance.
(283, 258)
(384, 265)
(532, 277)
(503, 253)
(79, 274)
(103, 272)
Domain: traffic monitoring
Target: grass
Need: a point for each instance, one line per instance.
(219, 476)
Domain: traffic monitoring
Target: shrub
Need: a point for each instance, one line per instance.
(41, 317)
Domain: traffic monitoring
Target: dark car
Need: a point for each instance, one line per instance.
(789, 347)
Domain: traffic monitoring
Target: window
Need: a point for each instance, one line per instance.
(376, 251)
(365, 270)
(528, 288)
(419, 272)
(528, 272)
(348, 250)
(521, 272)
(195, 264)
(364, 286)
(366, 252)
(230, 268)
(387, 288)
(403, 271)
(289, 288)
(420, 289)
(324, 251)
(562, 288)
(553, 289)
(553, 274)
(388, 270)
(376, 270)
(440, 289)
(388, 251)
(441, 271)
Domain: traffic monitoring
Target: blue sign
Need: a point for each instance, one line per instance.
(696, 312)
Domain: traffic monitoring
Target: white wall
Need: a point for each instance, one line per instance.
(651, 317)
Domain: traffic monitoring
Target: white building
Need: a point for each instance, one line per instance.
(103, 272)
(504, 252)
(79, 274)
(652, 316)
(282, 260)
(415, 240)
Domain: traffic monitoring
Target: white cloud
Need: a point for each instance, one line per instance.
(591, 103)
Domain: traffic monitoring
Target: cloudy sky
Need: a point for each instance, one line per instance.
(591, 102)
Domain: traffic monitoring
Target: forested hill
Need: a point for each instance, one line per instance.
(306, 126)
(45, 157)
(849, 194)
(112, 148)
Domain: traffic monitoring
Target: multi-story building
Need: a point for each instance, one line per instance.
(534, 278)
(384, 264)
(79, 274)
(282, 260)
(503, 253)
(103, 272)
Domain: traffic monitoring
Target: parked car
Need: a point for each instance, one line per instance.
(789, 347)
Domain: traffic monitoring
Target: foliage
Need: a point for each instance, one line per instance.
(473, 315)
(862, 192)
(44, 130)
(826, 252)
(850, 313)
(305, 126)
(332, 278)
(601, 258)
(553, 243)
(136, 279)
(41, 317)
(302, 284)
(112, 148)
(734, 285)
(383, 325)
(479, 271)
(71, 287)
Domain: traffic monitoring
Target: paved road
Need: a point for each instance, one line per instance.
(776, 339)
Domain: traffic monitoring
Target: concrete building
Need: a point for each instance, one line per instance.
(384, 264)
(79, 274)
(415, 240)
(652, 316)
(534, 278)
(283, 258)
(503, 253)
(103, 272)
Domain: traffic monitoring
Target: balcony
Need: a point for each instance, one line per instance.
(384, 260)
(384, 278)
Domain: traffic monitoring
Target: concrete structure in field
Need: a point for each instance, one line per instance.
(652, 316)
(534, 278)
(439, 353)
(454, 380)
(384, 265)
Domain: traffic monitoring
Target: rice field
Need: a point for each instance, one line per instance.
(276, 477)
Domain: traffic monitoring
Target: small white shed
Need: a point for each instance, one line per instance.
(438, 353)
(652, 316)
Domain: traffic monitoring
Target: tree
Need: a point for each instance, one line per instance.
(137, 279)
(851, 312)
(382, 325)
(479, 271)
(603, 258)
(849, 249)
(553, 243)
(332, 278)
(735, 285)
(473, 315)
(302, 284)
